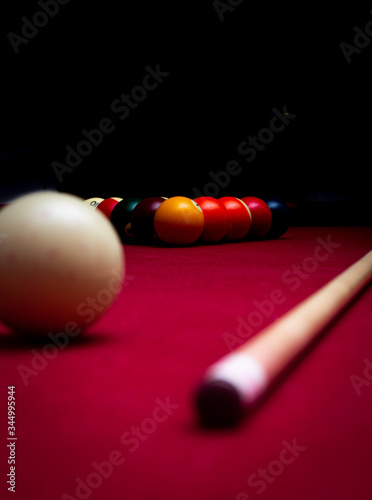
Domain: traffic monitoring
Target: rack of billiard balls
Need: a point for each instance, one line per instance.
(181, 221)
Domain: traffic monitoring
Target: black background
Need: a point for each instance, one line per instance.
(225, 78)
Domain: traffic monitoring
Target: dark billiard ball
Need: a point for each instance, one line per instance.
(142, 223)
(216, 219)
(240, 218)
(121, 216)
(261, 217)
(280, 217)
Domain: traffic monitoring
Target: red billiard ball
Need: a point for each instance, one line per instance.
(261, 217)
(142, 222)
(216, 219)
(106, 206)
(179, 221)
(240, 218)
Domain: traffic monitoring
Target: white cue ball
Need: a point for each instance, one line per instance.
(61, 263)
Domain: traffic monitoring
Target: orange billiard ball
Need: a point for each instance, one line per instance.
(179, 221)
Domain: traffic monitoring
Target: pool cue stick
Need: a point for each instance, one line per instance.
(239, 379)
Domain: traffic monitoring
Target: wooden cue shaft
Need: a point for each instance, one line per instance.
(253, 366)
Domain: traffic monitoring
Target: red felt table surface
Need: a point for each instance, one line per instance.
(111, 414)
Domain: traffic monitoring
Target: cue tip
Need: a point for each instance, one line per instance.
(219, 404)
(229, 388)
